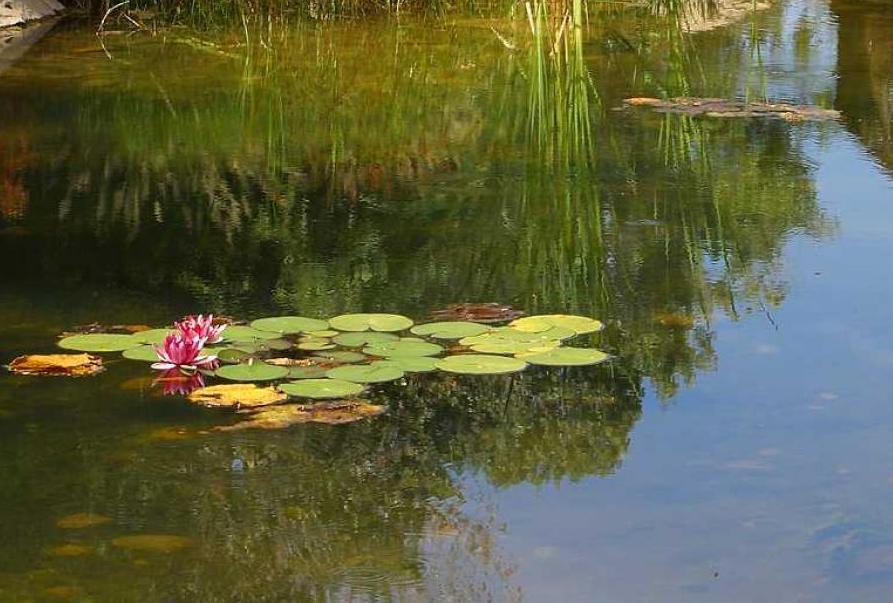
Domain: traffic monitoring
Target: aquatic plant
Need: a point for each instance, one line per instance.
(201, 326)
(183, 352)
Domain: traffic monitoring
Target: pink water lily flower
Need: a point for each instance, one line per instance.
(183, 352)
(200, 326)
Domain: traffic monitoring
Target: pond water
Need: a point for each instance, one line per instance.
(736, 448)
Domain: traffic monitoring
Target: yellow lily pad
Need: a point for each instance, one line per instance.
(236, 395)
(73, 365)
(544, 322)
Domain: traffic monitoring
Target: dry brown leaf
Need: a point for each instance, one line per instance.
(236, 396)
(66, 365)
(329, 413)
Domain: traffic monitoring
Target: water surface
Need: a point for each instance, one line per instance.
(737, 447)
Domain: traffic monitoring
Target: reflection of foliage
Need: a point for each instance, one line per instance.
(313, 513)
(622, 229)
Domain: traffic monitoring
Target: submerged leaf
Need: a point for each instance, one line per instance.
(373, 322)
(236, 395)
(321, 389)
(480, 364)
(74, 365)
(82, 520)
(152, 543)
(69, 550)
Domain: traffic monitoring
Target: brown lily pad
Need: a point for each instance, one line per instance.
(236, 396)
(718, 107)
(69, 550)
(152, 543)
(82, 520)
(329, 413)
(487, 313)
(56, 365)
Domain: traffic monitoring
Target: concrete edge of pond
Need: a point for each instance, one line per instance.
(18, 12)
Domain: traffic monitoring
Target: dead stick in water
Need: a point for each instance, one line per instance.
(107, 13)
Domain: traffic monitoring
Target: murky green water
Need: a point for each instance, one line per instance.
(737, 448)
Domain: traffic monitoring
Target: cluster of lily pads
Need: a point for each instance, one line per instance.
(339, 357)
(284, 370)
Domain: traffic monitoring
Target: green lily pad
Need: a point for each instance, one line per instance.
(321, 389)
(514, 347)
(153, 336)
(543, 322)
(306, 372)
(275, 344)
(233, 355)
(249, 334)
(345, 356)
(403, 348)
(409, 364)
(325, 333)
(566, 357)
(358, 340)
(252, 371)
(99, 342)
(145, 353)
(512, 335)
(371, 322)
(450, 329)
(315, 344)
(289, 325)
(365, 373)
(480, 364)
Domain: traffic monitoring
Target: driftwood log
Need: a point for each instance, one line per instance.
(718, 107)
